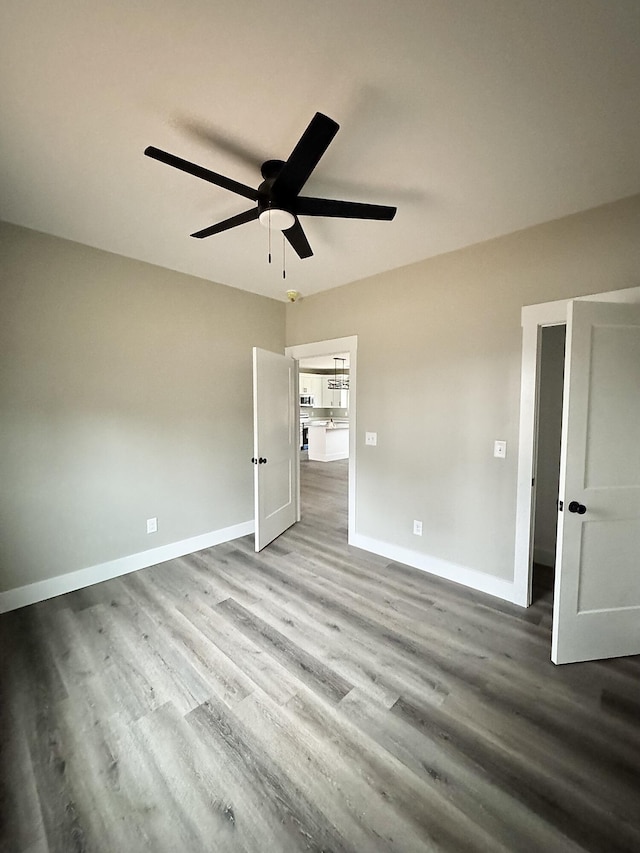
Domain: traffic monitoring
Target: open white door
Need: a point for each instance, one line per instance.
(275, 444)
(597, 590)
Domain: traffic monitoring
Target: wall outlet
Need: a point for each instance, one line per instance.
(371, 438)
(417, 527)
(152, 525)
(500, 449)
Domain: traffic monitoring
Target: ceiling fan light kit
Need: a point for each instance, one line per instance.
(277, 218)
(278, 202)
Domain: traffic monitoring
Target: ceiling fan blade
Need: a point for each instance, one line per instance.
(296, 236)
(305, 156)
(201, 172)
(304, 206)
(239, 219)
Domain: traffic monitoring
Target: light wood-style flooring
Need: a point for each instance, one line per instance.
(310, 698)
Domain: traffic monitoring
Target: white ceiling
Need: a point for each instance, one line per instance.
(475, 117)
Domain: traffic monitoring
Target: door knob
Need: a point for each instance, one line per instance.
(254, 460)
(574, 506)
(261, 461)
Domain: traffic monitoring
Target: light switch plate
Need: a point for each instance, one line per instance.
(500, 449)
(371, 438)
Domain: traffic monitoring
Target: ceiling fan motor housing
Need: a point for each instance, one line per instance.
(274, 211)
(270, 169)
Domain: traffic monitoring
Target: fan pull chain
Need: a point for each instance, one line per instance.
(284, 274)
(269, 229)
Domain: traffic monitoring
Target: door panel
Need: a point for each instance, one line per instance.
(275, 444)
(597, 592)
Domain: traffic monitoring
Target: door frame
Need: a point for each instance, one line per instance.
(534, 317)
(329, 347)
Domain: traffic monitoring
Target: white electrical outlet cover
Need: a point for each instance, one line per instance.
(371, 438)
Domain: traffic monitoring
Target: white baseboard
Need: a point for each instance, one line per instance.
(12, 599)
(480, 581)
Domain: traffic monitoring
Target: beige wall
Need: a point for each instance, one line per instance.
(438, 375)
(125, 393)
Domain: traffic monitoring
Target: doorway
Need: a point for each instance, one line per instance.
(327, 349)
(596, 593)
(534, 319)
(323, 383)
(547, 468)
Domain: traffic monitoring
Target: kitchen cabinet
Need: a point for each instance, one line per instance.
(304, 383)
(311, 383)
(333, 398)
(328, 441)
(317, 384)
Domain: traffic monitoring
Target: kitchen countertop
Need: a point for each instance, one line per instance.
(327, 424)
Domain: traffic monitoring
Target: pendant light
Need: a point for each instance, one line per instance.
(339, 382)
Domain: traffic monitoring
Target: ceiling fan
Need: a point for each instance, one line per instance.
(278, 201)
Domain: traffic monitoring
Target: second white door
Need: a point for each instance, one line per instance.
(597, 589)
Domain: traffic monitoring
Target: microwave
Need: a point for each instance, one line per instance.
(307, 400)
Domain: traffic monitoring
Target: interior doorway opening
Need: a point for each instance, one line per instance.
(547, 468)
(323, 384)
(335, 422)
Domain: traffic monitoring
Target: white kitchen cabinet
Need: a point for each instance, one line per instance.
(317, 388)
(328, 442)
(311, 383)
(317, 384)
(304, 383)
(327, 393)
(333, 398)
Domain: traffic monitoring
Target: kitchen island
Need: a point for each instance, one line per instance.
(328, 441)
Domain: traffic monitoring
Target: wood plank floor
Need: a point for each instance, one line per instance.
(313, 697)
